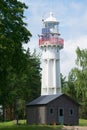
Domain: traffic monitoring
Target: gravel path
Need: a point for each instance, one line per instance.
(75, 127)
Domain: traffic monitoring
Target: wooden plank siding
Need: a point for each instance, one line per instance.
(49, 113)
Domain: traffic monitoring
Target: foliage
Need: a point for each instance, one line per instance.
(33, 77)
(19, 70)
(77, 81)
(64, 86)
(76, 86)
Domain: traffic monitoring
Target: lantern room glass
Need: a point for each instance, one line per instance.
(53, 27)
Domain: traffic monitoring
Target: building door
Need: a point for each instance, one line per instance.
(61, 115)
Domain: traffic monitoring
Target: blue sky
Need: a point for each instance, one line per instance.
(72, 15)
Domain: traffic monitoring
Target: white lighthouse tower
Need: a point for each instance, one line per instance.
(50, 44)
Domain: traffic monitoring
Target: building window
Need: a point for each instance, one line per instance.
(51, 111)
(61, 112)
(71, 112)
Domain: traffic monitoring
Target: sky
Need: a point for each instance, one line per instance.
(72, 15)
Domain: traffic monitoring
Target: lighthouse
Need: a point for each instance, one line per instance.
(50, 44)
(52, 107)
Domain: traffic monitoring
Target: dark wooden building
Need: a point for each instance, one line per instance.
(53, 109)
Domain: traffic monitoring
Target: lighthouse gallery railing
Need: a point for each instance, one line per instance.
(52, 40)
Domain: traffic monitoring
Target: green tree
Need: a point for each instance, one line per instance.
(26, 85)
(13, 33)
(30, 83)
(64, 84)
(71, 85)
(79, 76)
(31, 77)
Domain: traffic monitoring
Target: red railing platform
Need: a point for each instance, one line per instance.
(56, 41)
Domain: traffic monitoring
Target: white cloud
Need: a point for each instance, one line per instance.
(76, 6)
(68, 54)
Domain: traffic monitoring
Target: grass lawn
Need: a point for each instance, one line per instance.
(11, 126)
(82, 122)
(11, 123)
(32, 127)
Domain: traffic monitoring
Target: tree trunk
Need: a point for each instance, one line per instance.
(4, 114)
(16, 112)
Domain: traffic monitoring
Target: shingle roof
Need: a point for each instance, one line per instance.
(44, 99)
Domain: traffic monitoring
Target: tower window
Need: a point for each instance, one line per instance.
(45, 49)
